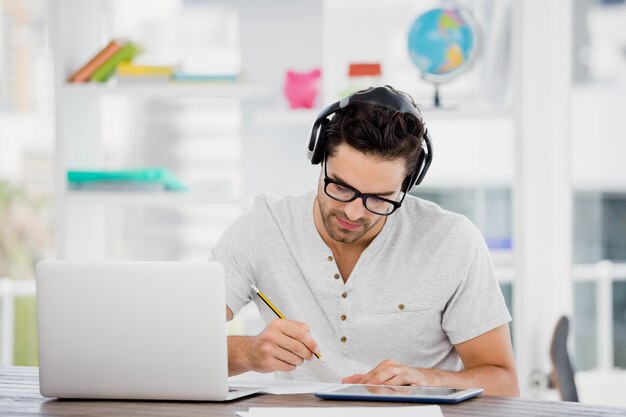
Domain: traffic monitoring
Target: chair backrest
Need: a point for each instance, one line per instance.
(563, 372)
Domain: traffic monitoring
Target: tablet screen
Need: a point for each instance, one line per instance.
(394, 390)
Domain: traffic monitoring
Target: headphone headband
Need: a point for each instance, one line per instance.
(383, 96)
(380, 96)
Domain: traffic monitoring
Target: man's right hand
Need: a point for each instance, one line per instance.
(281, 346)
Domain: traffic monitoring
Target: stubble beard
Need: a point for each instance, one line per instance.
(337, 233)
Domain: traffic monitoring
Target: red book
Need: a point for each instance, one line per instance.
(85, 72)
(356, 70)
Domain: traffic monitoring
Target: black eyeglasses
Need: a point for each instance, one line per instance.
(343, 192)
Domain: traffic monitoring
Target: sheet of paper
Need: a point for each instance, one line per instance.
(411, 411)
(279, 386)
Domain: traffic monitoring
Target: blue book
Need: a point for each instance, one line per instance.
(196, 77)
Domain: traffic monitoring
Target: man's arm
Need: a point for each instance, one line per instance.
(488, 361)
(281, 346)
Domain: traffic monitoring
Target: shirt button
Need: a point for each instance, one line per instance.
(344, 294)
(343, 339)
(343, 317)
(330, 259)
(401, 306)
(337, 276)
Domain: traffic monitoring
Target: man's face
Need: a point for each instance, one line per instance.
(349, 222)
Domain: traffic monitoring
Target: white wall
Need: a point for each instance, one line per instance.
(599, 136)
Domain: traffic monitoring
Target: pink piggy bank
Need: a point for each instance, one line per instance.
(301, 88)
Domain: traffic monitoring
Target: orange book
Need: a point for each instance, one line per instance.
(85, 72)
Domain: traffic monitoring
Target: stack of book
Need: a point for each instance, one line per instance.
(116, 60)
(102, 66)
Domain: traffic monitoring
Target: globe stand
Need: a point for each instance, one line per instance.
(436, 98)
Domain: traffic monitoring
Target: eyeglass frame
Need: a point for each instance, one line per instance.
(357, 194)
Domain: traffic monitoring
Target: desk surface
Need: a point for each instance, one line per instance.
(19, 395)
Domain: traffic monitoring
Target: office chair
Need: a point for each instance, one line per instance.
(562, 375)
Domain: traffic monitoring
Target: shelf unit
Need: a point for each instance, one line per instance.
(79, 28)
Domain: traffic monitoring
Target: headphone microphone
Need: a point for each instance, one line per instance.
(381, 96)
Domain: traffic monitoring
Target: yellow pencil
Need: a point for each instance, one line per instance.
(277, 312)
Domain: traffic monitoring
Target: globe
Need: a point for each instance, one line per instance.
(443, 43)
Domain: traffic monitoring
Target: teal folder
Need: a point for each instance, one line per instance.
(139, 177)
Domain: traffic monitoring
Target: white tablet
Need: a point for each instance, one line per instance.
(398, 393)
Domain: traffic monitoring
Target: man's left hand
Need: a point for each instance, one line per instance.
(390, 372)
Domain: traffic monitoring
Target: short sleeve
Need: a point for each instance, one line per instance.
(477, 306)
(234, 251)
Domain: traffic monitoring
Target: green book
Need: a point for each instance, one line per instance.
(149, 176)
(125, 54)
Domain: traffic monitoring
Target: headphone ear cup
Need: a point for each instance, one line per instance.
(417, 173)
(411, 180)
(407, 184)
(423, 163)
(320, 143)
(426, 158)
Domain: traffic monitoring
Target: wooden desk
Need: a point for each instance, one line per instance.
(19, 396)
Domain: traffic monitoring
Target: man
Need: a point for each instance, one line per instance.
(386, 287)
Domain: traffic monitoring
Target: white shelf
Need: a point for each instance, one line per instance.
(465, 113)
(173, 89)
(306, 117)
(159, 199)
(281, 118)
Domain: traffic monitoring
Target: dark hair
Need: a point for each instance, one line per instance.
(378, 131)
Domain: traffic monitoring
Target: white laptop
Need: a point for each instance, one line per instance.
(133, 330)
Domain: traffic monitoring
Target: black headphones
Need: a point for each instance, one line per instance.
(381, 96)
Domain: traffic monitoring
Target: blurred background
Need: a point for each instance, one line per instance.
(220, 96)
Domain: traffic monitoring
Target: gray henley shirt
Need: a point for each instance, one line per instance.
(424, 284)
